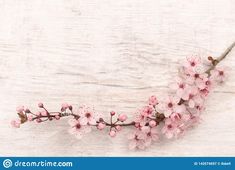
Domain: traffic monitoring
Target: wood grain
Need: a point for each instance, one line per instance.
(113, 55)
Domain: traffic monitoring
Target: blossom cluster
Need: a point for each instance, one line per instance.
(170, 116)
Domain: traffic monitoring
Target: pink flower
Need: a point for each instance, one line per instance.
(171, 129)
(170, 105)
(78, 129)
(192, 61)
(122, 117)
(219, 74)
(15, 123)
(192, 96)
(137, 140)
(208, 86)
(177, 117)
(88, 116)
(196, 77)
(179, 86)
(142, 115)
(152, 136)
(153, 101)
(20, 109)
(194, 120)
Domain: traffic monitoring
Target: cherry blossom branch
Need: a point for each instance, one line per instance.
(177, 112)
(220, 58)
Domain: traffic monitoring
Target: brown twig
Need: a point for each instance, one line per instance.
(221, 57)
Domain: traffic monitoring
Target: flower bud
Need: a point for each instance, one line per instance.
(64, 106)
(112, 133)
(118, 128)
(122, 117)
(70, 107)
(40, 105)
(20, 109)
(38, 120)
(15, 123)
(27, 110)
(152, 123)
(153, 101)
(101, 126)
(30, 117)
(112, 113)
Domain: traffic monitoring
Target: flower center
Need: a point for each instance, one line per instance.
(88, 115)
(196, 75)
(78, 126)
(170, 105)
(190, 96)
(208, 82)
(221, 73)
(181, 86)
(193, 64)
(169, 126)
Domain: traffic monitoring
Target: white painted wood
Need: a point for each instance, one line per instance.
(113, 55)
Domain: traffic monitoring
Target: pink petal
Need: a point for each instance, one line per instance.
(86, 129)
(83, 120)
(169, 135)
(72, 122)
(191, 103)
(92, 121)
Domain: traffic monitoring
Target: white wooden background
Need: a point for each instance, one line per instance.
(112, 54)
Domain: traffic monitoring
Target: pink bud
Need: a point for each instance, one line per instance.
(38, 113)
(153, 100)
(70, 107)
(152, 123)
(15, 123)
(39, 120)
(64, 106)
(112, 133)
(57, 117)
(30, 117)
(27, 110)
(40, 105)
(118, 128)
(137, 125)
(112, 113)
(122, 117)
(101, 126)
(20, 109)
(44, 113)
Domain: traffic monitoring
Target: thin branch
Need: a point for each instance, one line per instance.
(223, 56)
